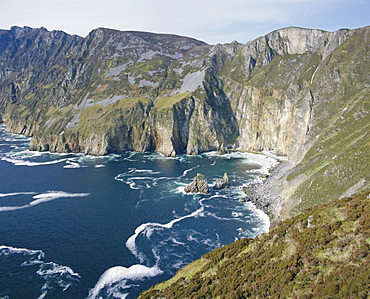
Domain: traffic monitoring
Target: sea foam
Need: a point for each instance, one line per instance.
(116, 277)
(15, 193)
(18, 162)
(41, 198)
(131, 242)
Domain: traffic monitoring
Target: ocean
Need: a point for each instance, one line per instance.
(76, 226)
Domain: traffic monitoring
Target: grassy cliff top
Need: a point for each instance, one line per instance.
(322, 253)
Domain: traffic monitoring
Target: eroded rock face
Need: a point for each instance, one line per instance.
(114, 91)
(198, 185)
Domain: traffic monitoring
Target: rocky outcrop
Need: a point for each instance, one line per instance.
(222, 183)
(198, 185)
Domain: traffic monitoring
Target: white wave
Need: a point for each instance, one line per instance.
(225, 156)
(191, 238)
(142, 178)
(133, 170)
(211, 243)
(217, 195)
(16, 138)
(237, 214)
(51, 195)
(18, 162)
(148, 171)
(157, 156)
(13, 208)
(139, 182)
(120, 177)
(188, 170)
(264, 228)
(131, 242)
(72, 165)
(99, 166)
(134, 185)
(51, 271)
(220, 218)
(173, 240)
(16, 193)
(8, 250)
(82, 158)
(130, 157)
(114, 275)
(265, 162)
(42, 296)
(44, 197)
(52, 268)
(180, 188)
(183, 158)
(264, 223)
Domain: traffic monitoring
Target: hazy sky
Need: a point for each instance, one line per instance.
(213, 21)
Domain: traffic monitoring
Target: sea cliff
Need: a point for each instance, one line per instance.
(301, 93)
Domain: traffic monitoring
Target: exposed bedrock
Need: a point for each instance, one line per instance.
(198, 185)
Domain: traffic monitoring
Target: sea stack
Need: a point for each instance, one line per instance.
(198, 185)
(222, 183)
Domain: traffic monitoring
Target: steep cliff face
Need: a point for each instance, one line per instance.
(298, 92)
(268, 119)
(236, 102)
(82, 100)
(304, 94)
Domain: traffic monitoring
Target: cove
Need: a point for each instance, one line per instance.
(76, 226)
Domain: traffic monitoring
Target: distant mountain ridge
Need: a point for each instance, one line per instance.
(302, 93)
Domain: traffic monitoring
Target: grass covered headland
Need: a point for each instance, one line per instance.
(322, 253)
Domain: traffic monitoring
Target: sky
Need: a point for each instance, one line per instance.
(212, 21)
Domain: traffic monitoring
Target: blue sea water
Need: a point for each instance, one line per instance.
(75, 226)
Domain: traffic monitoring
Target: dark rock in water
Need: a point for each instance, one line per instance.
(222, 183)
(198, 185)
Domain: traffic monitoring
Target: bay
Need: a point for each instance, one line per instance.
(76, 226)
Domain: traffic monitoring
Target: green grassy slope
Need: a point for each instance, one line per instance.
(321, 253)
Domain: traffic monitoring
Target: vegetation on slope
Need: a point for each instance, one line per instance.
(321, 253)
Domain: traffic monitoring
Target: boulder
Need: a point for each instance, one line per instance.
(198, 185)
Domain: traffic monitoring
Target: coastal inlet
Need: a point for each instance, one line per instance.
(76, 226)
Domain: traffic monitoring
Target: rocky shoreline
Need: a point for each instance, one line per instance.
(265, 193)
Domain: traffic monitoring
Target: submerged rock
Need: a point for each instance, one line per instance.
(222, 183)
(198, 185)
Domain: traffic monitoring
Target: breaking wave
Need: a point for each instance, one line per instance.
(115, 281)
